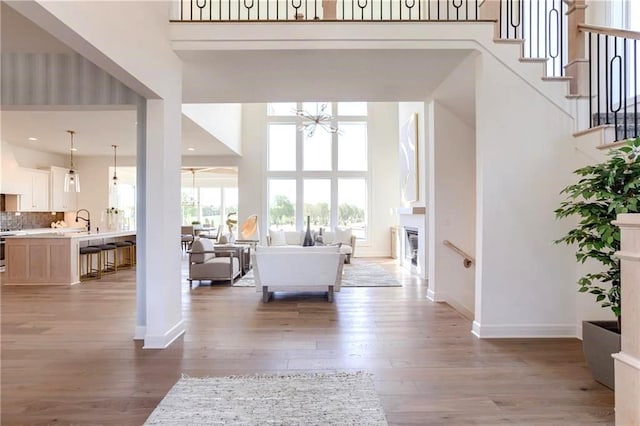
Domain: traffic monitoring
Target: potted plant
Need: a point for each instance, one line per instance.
(603, 191)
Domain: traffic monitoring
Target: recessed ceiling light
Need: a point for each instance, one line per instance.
(74, 149)
(33, 139)
(191, 149)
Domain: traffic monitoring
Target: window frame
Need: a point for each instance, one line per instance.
(299, 175)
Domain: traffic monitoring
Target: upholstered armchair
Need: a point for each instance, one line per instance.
(209, 263)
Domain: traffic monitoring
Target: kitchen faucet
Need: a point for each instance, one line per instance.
(87, 219)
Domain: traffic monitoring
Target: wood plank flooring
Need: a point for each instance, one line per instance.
(68, 356)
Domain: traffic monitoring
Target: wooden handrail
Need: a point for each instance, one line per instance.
(616, 32)
(468, 260)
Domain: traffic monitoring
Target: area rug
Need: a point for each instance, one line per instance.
(353, 275)
(318, 399)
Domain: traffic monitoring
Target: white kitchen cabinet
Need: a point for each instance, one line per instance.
(34, 194)
(61, 201)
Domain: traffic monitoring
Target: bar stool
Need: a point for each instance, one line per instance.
(134, 252)
(107, 267)
(86, 255)
(123, 254)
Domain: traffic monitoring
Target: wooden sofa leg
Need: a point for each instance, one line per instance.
(265, 294)
(330, 294)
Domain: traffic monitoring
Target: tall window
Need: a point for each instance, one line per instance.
(319, 173)
(208, 197)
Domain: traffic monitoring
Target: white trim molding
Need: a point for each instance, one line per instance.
(164, 340)
(524, 331)
(139, 332)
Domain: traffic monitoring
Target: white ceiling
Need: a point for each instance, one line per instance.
(332, 75)
(233, 77)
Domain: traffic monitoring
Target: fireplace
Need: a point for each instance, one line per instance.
(411, 246)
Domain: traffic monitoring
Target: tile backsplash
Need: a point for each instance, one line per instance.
(28, 220)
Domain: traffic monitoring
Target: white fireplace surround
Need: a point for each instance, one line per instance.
(413, 217)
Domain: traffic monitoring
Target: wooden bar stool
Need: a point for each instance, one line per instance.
(106, 266)
(86, 257)
(134, 253)
(124, 254)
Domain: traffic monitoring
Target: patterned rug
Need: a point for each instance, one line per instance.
(355, 274)
(318, 399)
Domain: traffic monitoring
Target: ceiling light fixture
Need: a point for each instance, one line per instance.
(321, 119)
(191, 149)
(71, 178)
(114, 179)
(33, 139)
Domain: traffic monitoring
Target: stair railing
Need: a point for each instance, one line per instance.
(341, 10)
(467, 259)
(613, 79)
(542, 26)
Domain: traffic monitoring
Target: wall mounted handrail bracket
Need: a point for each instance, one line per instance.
(467, 261)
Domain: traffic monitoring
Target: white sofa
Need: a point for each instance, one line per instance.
(207, 262)
(297, 269)
(342, 238)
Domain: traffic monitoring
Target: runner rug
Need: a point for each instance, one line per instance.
(353, 275)
(318, 399)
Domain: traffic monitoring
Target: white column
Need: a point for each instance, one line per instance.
(627, 362)
(161, 227)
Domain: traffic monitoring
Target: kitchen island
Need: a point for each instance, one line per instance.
(51, 258)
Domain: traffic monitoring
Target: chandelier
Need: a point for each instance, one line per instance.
(321, 119)
(71, 178)
(115, 167)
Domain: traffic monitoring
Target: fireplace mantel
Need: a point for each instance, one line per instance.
(415, 210)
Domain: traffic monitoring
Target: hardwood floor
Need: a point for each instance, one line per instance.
(68, 356)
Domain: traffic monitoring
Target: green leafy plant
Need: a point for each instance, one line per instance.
(603, 191)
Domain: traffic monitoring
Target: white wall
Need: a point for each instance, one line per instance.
(452, 210)
(525, 285)
(224, 121)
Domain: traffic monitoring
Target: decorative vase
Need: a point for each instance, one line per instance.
(308, 240)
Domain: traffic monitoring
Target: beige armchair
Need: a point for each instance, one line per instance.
(210, 263)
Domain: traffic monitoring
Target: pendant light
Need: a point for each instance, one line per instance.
(71, 178)
(114, 179)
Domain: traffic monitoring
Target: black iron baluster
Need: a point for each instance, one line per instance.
(406, 3)
(560, 39)
(606, 76)
(590, 81)
(438, 14)
(635, 87)
(624, 82)
(457, 8)
(219, 10)
(598, 75)
(546, 14)
(530, 29)
(248, 7)
(500, 24)
(429, 10)
(293, 4)
(553, 50)
(615, 57)
(513, 23)
(362, 7)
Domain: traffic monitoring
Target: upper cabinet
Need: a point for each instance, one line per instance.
(34, 191)
(61, 201)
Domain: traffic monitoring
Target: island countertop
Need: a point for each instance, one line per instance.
(52, 257)
(77, 235)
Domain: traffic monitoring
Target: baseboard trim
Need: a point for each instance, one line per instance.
(139, 332)
(523, 331)
(431, 295)
(164, 340)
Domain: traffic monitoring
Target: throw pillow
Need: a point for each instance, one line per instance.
(343, 235)
(277, 237)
